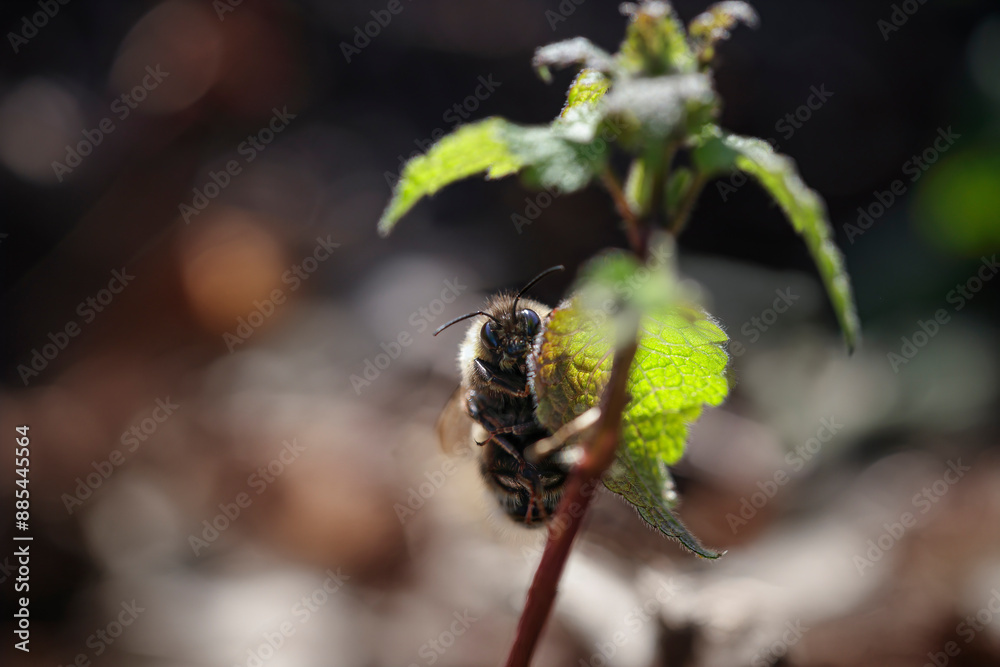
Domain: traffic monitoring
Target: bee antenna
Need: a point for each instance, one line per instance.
(534, 280)
(464, 317)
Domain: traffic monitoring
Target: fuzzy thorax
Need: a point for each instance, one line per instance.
(509, 328)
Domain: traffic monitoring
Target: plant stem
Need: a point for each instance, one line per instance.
(687, 204)
(585, 477)
(634, 229)
(564, 526)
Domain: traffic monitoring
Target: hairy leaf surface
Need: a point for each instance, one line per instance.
(679, 368)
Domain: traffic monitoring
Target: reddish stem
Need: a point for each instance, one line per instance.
(634, 228)
(569, 515)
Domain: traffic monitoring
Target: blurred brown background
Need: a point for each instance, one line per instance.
(233, 458)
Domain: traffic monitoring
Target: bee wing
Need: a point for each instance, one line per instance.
(454, 426)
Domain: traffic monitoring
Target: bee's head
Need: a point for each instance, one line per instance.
(508, 332)
(494, 356)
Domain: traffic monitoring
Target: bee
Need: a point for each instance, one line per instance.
(494, 407)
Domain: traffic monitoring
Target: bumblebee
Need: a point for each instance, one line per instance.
(494, 407)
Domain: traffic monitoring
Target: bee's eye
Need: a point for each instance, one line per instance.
(531, 318)
(489, 336)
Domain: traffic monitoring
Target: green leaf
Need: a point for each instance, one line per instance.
(469, 150)
(581, 114)
(651, 109)
(576, 51)
(679, 367)
(552, 158)
(715, 23)
(717, 152)
(565, 155)
(585, 92)
(655, 42)
(650, 490)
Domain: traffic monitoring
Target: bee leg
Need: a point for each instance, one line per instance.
(508, 384)
(537, 502)
(517, 429)
(505, 445)
(535, 484)
(495, 426)
(497, 437)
